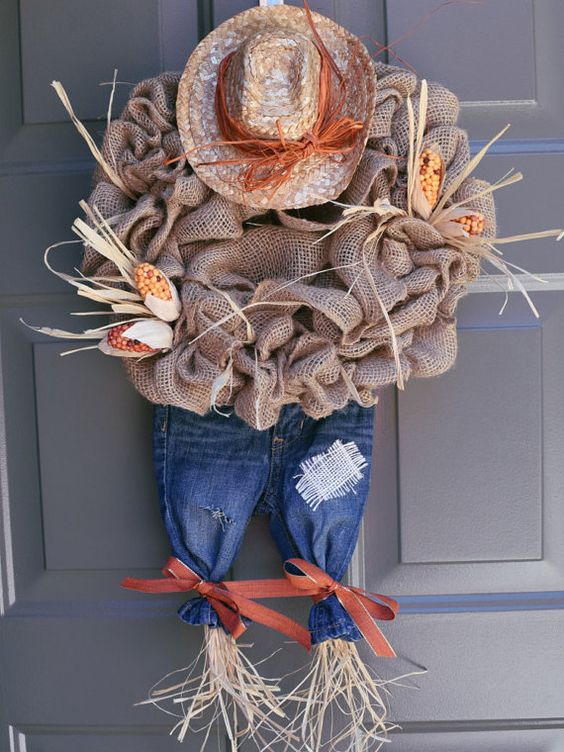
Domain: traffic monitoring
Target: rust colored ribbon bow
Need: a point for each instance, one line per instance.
(231, 600)
(362, 606)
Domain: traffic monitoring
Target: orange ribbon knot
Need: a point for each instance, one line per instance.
(362, 606)
(229, 599)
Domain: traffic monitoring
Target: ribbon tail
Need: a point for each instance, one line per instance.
(231, 620)
(365, 623)
(379, 606)
(156, 585)
(273, 619)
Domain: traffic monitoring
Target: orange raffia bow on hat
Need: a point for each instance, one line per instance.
(230, 600)
(362, 606)
(271, 161)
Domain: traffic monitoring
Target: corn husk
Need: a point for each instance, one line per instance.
(150, 314)
(416, 135)
(154, 333)
(166, 310)
(447, 225)
(110, 290)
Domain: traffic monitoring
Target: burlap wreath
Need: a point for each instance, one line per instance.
(321, 340)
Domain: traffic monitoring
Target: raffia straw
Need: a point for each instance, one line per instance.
(415, 140)
(224, 378)
(63, 334)
(109, 117)
(351, 386)
(486, 250)
(238, 311)
(488, 253)
(528, 236)
(222, 686)
(503, 183)
(468, 170)
(393, 339)
(95, 151)
(257, 398)
(97, 333)
(94, 288)
(103, 239)
(410, 155)
(341, 702)
(108, 243)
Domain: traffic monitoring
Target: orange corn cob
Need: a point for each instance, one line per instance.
(119, 342)
(151, 281)
(473, 224)
(430, 175)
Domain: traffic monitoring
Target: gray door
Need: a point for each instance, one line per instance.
(466, 519)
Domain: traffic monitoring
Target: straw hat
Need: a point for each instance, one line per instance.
(273, 81)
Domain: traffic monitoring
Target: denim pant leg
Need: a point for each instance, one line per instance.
(325, 536)
(211, 471)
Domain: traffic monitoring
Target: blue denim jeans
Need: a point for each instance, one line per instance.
(215, 472)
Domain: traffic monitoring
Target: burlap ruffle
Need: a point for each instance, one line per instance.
(325, 341)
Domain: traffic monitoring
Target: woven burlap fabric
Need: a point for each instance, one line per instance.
(321, 339)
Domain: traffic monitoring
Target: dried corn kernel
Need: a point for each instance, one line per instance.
(149, 280)
(116, 340)
(472, 224)
(430, 175)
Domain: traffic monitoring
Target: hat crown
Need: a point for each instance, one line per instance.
(274, 76)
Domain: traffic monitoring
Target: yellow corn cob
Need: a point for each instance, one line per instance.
(473, 224)
(430, 175)
(116, 339)
(151, 281)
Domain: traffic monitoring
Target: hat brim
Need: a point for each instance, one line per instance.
(314, 180)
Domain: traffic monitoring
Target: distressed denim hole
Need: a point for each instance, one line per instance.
(218, 514)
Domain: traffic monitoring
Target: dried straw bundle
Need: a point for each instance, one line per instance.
(341, 704)
(222, 685)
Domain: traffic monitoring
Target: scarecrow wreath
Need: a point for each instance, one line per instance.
(281, 231)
